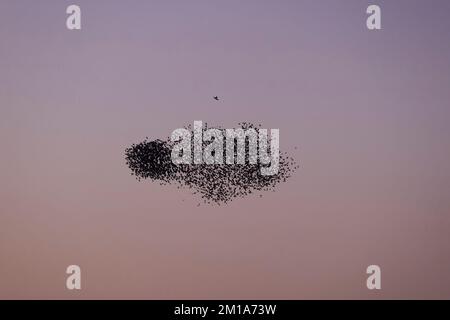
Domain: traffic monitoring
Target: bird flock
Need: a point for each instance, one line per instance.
(215, 184)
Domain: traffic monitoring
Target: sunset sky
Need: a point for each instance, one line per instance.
(365, 113)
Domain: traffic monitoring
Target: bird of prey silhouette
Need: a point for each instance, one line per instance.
(216, 98)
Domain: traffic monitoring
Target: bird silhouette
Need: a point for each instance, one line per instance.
(216, 98)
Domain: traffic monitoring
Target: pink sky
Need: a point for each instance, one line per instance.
(367, 111)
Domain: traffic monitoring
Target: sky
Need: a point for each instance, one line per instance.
(364, 113)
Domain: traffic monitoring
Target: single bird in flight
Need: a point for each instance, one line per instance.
(216, 98)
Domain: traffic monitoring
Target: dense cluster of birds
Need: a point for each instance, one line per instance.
(217, 183)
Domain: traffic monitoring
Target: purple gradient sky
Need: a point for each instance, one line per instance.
(368, 111)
